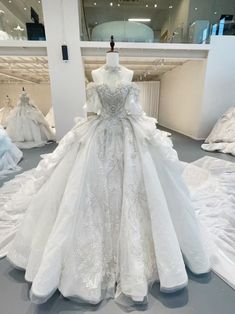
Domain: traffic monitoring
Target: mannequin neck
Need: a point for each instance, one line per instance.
(112, 59)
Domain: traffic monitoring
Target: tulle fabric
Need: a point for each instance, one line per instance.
(107, 213)
(27, 127)
(10, 155)
(222, 136)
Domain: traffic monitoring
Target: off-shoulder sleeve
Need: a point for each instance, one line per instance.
(133, 105)
(92, 99)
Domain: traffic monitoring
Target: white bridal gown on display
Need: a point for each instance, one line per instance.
(222, 136)
(26, 125)
(10, 155)
(5, 111)
(108, 213)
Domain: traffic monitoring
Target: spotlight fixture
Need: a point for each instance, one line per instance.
(139, 20)
(25, 8)
(170, 6)
(147, 5)
(155, 5)
(215, 13)
(111, 4)
(195, 9)
(10, 1)
(118, 4)
(94, 3)
(18, 28)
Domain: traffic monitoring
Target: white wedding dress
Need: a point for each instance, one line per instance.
(222, 136)
(5, 111)
(10, 155)
(26, 125)
(107, 213)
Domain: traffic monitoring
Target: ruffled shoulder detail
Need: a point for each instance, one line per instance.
(133, 105)
(93, 103)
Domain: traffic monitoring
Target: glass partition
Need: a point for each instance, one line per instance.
(166, 21)
(21, 20)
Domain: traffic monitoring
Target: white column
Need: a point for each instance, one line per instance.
(219, 92)
(61, 18)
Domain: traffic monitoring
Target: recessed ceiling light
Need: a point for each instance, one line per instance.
(94, 3)
(25, 8)
(9, 1)
(39, 1)
(111, 4)
(147, 5)
(170, 6)
(195, 9)
(215, 13)
(155, 5)
(118, 4)
(139, 20)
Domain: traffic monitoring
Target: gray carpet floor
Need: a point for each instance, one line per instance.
(204, 295)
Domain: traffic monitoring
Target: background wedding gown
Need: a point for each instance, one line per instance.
(27, 126)
(5, 111)
(222, 136)
(108, 212)
(10, 155)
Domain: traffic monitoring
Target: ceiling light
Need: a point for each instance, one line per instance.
(39, 1)
(195, 9)
(139, 20)
(25, 8)
(118, 4)
(215, 13)
(170, 6)
(155, 5)
(111, 4)
(9, 1)
(18, 28)
(94, 3)
(147, 5)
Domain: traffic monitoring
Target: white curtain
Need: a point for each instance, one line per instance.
(149, 97)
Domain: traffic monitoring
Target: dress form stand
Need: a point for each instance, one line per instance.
(112, 72)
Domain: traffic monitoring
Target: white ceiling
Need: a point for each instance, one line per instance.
(35, 69)
(17, 12)
(103, 12)
(24, 69)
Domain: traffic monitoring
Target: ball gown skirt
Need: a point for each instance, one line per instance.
(10, 155)
(27, 127)
(222, 136)
(107, 213)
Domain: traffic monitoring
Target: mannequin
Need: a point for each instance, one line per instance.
(112, 73)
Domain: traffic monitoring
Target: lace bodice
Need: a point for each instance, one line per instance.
(113, 102)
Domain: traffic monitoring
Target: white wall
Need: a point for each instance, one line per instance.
(219, 92)
(181, 98)
(40, 94)
(67, 78)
